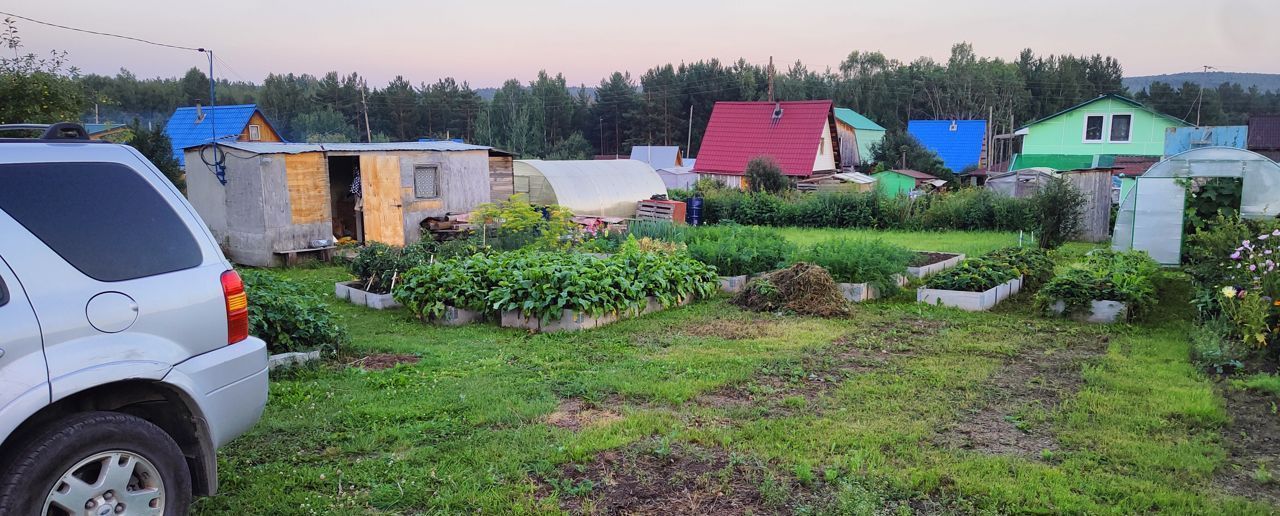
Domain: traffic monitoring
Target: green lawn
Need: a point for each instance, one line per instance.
(897, 408)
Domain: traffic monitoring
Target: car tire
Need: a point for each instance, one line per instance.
(86, 445)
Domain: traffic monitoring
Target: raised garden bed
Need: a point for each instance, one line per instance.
(971, 301)
(352, 292)
(1100, 311)
(574, 321)
(733, 284)
(859, 292)
(928, 262)
(454, 316)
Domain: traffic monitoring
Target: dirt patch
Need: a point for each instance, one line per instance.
(380, 361)
(1026, 391)
(922, 258)
(1253, 446)
(656, 477)
(575, 414)
(802, 288)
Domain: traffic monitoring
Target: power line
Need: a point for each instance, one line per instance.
(98, 33)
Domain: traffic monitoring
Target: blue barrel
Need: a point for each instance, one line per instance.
(693, 215)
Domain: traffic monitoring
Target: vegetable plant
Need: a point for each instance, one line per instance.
(860, 261)
(1126, 277)
(738, 250)
(973, 275)
(287, 316)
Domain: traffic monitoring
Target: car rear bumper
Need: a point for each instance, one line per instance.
(228, 387)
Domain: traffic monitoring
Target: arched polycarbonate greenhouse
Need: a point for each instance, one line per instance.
(601, 188)
(1151, 215)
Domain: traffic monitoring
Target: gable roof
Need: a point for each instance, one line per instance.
(1112, 96)
(1264, 132)
(228, 122)
(856, 120)
(740, 131)
(959, 148)
(657, 156)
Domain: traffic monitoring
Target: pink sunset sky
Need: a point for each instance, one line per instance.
(486, 42)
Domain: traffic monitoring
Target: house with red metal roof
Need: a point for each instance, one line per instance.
(798, 135)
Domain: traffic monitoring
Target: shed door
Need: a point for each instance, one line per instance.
(383, 202)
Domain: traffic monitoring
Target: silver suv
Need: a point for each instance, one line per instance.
(125, 355)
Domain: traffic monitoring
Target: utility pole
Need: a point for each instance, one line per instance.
(602, 136)
(689, 144)
(368, 131)
(1200, 95)
(770, 78)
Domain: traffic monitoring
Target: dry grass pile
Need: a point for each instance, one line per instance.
(802, 288)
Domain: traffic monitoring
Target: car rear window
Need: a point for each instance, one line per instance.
(102, 218)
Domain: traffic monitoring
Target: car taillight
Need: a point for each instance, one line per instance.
(237, 307)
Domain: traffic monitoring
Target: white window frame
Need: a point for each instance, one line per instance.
(1110, 120)
(435, 169)
(255, 132)
(1102, 136)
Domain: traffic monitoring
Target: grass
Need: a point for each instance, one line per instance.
(971, 243)
(464, 430)
(1262, 382)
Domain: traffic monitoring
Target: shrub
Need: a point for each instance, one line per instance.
(764, 175)
(860, 261)
(737, 250)
(288, 317)
(378, 265)
(973, 275)
(1104, 275)
(968, 209)
(1058, 207)
(514, 223)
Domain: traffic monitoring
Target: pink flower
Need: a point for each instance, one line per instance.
(1235, 255)
(1240, 294)
(1275, 233)
(1263, 237)
(1253, 268)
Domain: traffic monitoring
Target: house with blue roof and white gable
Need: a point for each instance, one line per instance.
(197, 125)
(960, 143)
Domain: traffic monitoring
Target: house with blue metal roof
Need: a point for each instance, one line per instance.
(198, 125)
(960, 143)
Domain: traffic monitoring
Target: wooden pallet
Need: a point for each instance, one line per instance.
(661, 210)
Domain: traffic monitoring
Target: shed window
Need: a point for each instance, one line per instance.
(1120, 127)
(255, 132)
(426, 181)
(1093, 128)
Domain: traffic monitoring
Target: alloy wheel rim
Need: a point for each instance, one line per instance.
(110, 483)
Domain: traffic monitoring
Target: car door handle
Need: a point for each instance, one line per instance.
(1, 352)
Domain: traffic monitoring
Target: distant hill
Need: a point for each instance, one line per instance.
(1264, 81)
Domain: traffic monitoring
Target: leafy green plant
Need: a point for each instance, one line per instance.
(378, 265)
(1032, 263)
(288, 317)
(514, 223)
(973, 275)
(860, 261)
(542, 284)
(737, 250)
(1126, 277)
(1213, 351)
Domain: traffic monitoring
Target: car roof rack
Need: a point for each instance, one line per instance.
(62, 131)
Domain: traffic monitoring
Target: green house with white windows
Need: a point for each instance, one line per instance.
(1086, 135)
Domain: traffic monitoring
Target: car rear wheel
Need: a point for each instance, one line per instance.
(101, 464)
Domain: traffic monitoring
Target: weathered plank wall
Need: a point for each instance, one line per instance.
(848, 145)
(1096, 217)
(265, 133)
(307, 178)
(501, 178)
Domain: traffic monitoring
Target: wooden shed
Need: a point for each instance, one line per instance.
(284, 198)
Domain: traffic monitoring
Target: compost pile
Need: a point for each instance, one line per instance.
(803, 288)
